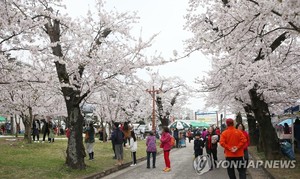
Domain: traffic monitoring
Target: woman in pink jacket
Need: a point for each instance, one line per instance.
(241, 127)
(165, 144)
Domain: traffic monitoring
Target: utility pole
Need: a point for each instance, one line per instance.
(153, 92)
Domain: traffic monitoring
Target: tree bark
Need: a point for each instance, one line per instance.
(75, 150)
(164, 116)
(239, 118)
(104, 133)
(268, 134)
(27, 121)
(251, 125)
(160, 110)
(12, 127)
(260, 143)
(164, 121)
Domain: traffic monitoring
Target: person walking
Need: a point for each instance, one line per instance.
(176, 136)
(198, 145)
(68, 132)
(45, 128)
(90, 140)
(133, 147)
(51, 132)
(297, 132)
(204, 133)
(218, 132)
(190, 135)
(36, 130)
(211, 145)
(233, 142)
(117, 137)
(113, 143)
(166, 146)
(241, 127)
(151, 149)
(286, 128)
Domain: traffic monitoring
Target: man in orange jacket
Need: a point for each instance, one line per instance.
(233, 141)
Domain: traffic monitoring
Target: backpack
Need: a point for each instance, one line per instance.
(172, 141)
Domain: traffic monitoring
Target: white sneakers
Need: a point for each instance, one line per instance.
(132, 165)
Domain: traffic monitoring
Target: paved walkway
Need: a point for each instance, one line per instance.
(181, 164)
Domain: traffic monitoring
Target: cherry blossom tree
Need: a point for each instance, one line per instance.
(26, 93)
(87, 52)
(254, 47)
(171, 96)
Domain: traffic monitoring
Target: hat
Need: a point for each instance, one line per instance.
(229, 122)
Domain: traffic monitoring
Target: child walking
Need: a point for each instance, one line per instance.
(198, 145)
(133, 147)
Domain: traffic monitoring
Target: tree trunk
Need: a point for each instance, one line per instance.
(165, 121)
(27, 121)
(72, 96)
(251, 125)
(260, 146)
(28, 131)
(239, 118)
(104, 133)
(160, 110)
(75, 149)
(12, 127)
(17, 126)
(268, 134)
(164, 116)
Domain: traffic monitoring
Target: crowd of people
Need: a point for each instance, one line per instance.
(235, 141)
(46, 128)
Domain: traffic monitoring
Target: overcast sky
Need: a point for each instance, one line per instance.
(165, 17)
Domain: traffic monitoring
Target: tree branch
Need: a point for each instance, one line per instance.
(276, 43)
(83, 96)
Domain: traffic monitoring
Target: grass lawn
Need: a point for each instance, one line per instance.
(46, 160)
(280, 173)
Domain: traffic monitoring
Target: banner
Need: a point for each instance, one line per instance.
(207, 117)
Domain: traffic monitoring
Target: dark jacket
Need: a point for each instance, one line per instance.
(175, 134)
(90, 132)
(117, 136)
(198, 146)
